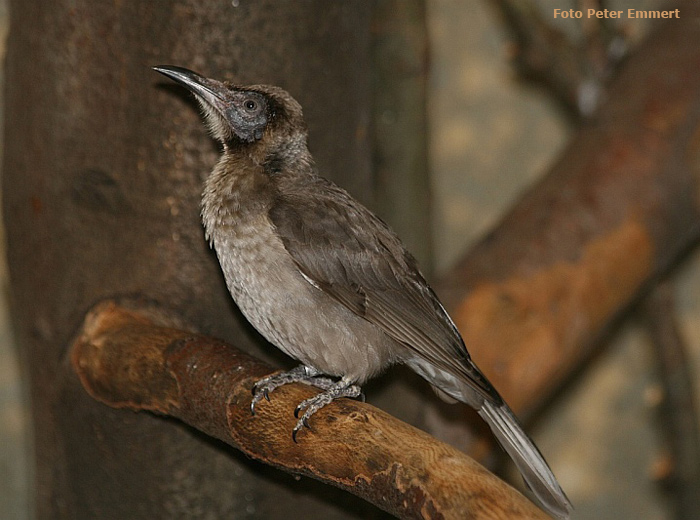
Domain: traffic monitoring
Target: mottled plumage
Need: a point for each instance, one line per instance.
(324, 279)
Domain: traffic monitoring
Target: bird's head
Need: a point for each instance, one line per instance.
(243, 115)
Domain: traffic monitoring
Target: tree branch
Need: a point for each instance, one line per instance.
(614, 212)
(678, 410)
(590, 64)
(574, 73)
(132, 359)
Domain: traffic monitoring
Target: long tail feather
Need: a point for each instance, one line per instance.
(528, 459)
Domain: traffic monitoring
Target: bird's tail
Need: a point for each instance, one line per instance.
(528, 459)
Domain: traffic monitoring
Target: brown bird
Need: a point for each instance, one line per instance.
(324, 279)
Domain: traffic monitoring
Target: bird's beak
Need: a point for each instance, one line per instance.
(209, 91)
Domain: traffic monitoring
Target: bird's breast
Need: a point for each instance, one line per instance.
(288, 310)
(257, 269)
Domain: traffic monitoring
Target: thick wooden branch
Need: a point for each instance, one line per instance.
(613, 213)
(131, 359)
(603, 46)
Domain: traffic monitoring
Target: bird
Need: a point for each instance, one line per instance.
(324, 279)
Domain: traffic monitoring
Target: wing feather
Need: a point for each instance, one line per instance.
(354, 257)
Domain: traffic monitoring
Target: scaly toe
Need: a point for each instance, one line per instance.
(302, 423)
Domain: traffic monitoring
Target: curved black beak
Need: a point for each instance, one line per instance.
(207, 90)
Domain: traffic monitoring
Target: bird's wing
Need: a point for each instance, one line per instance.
(353, 256)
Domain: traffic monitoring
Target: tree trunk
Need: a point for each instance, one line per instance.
(103, 169)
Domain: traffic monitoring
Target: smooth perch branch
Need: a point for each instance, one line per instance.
(131, 357)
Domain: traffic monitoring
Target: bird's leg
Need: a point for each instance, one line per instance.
(343, 388)
(300, 374)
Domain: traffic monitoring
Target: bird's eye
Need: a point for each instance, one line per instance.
(250, 105)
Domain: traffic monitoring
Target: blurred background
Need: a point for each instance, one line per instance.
(491, 136)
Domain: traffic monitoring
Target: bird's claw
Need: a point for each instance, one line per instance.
(301, 424)
(313, 404)
(259, 392)
(262, 388)
(256, 399)
(304, 410)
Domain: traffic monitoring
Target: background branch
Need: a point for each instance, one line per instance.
(596, 56)
(678, 410)
(615, 211)
(574, 73)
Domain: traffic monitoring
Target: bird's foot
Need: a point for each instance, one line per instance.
(300, 374)
(342, 388)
